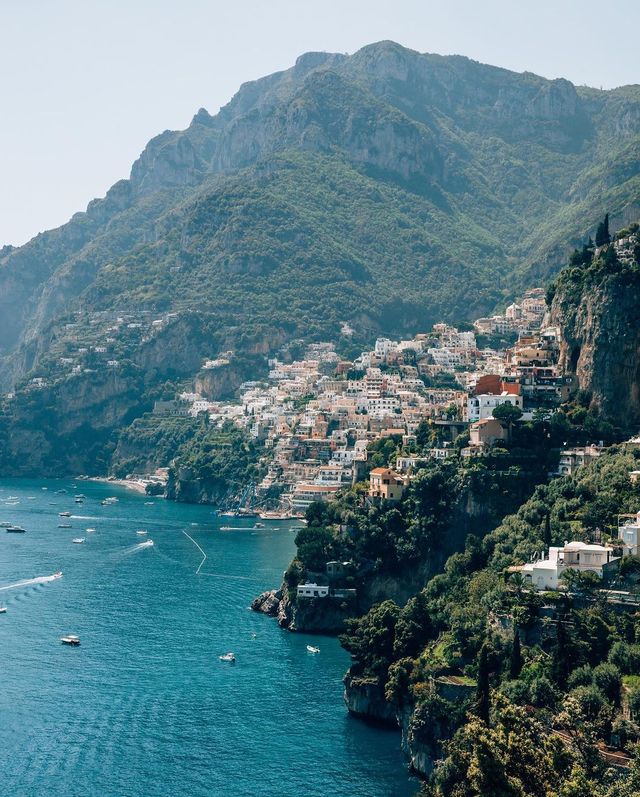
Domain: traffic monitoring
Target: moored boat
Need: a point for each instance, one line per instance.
(313, 649)
(227, 657)
(15, 530)
(78, 540)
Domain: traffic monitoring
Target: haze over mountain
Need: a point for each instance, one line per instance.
(388, 189)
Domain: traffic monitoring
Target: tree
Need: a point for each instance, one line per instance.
(483, 696)
(370, 639)
(602, 233)
(508, 414)
(547, 530)
(515, 661)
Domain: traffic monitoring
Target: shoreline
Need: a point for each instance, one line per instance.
(136, 485)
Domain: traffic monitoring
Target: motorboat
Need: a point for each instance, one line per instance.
(3, 609)
(141, 532)
(227, 657)
(79, 500)
(15, 530)
(65, 526)
(70, 639)
(64, 514)
(12, 498)
(313, 649)
(80, 497)
(58, 574)
(78, 540)
(89, 531)
(108, 501)
(258, 525)
(5, 524)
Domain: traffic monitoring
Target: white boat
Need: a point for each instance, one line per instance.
(141, 532)
(313, 649)
(227, 657)
(78, 540)
(64, 514)
(3, 609)
(70, 639)
(65, 526)
(89, 530)
(258, 525)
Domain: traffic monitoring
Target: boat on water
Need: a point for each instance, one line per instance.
(89, 530)
(3, 609)
(5, 524)
(70, 639)
(227, 657)
(64, 514)
(313, 649)
(79, 500)
(15, 530)
(108, 501)
(11, 498)
(80, 496)
(258, 525)
(274, 515)
(78, 540)
(141, 532)
(65, 526)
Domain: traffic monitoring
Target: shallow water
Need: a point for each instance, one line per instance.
(144, 706)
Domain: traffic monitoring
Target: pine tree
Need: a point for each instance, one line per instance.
(516, 661)
(483, 691)
(547, 530)
(602, 233)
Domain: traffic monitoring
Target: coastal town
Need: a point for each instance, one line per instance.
(317, 417)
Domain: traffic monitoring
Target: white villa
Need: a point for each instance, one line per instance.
(546, 573)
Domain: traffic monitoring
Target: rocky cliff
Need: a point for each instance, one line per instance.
(600, 338)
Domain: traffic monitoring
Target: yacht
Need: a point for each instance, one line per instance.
(3, 609)
(313, 649)
(78, 540)
(70, 639)
(227, 657)
(15, 530)
(64, 514)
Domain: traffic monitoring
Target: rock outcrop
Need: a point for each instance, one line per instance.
(600, 341)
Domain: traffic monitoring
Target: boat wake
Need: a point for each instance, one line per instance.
(31, 582)
(133, 549)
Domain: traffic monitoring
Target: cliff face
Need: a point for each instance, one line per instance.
(600, 342)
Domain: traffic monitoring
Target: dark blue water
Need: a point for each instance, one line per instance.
(144, 706)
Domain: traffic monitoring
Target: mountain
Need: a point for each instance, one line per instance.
(387, 189)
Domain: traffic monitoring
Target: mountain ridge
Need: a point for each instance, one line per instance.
(479, 166)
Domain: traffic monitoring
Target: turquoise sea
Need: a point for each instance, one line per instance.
(144, 706)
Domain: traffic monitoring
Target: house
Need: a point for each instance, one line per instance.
(313, 591)
(337, 569)
(547, 572)
(305, 494)
(487, 432)
(480, 407)
(573, 458)
(629, 532)
(386, 484)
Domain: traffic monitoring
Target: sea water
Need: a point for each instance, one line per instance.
(144, 706)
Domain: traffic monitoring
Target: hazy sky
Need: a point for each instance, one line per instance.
(84, 84)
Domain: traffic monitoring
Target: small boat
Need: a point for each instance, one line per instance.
(65, 526)
(58, 574)
(64, 514)
(258, 525)
(109, 501)
(79, 500)
(78, 540)
(227, 657)
(15, 530)
(11, 498)
(89, 530)
(313, 649)
(5, 524)
(3, 609)
(80, 497)
(70, 639)
(148, 503)
(141, 531)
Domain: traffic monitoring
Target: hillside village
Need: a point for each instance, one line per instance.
(317, 417)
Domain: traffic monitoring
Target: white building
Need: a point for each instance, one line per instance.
(313, 591)
(480, 408)
(547, 572)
